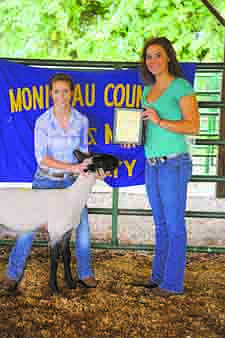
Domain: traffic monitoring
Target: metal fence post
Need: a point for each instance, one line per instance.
(115, 203)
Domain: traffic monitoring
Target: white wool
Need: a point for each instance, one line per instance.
(25, 211)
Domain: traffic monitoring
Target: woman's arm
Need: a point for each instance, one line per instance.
(76, 168)
(191, 118)
(190, 123)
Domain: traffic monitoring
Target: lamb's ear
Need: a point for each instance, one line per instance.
(81, 156)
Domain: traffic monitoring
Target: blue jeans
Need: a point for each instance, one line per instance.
(166, 185)
(20, 252)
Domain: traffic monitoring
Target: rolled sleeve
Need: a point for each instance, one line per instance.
(41, 141)
(84, 136)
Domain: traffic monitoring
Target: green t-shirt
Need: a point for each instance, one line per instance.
(161, 141)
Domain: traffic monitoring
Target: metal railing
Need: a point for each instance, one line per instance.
(115, 211)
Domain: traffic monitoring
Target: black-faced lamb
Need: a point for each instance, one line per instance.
(24, 211)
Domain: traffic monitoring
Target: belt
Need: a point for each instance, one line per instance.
(45, 172)
(163, 159)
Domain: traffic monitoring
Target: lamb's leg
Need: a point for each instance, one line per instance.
(54, 258)
(71, 284)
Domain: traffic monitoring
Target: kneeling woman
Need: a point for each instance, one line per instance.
(58, 132)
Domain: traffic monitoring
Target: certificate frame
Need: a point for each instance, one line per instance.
(127, 126)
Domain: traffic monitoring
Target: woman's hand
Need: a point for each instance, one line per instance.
(128, 145)
(151, 114)
(79, 168)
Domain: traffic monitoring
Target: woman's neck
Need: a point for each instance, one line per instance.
(164, 79)
(62, 112)
(62, 116)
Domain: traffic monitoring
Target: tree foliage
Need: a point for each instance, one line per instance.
(109, 30)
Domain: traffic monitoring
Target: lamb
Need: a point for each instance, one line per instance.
(104, 161)
(25, 211)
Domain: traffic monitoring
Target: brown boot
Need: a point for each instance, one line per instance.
(89, 282)
(164, 293)
(8, 284)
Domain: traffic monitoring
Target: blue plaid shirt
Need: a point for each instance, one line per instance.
(52, 140)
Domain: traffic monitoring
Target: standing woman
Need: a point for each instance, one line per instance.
(58, 131)
(171, 113)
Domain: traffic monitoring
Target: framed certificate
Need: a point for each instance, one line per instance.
(127, 126)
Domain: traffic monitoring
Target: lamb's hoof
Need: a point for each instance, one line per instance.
(54, 290)
(71, 284)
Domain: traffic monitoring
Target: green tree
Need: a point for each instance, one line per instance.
(112, 30)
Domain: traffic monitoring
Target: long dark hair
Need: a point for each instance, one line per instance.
(174, 67)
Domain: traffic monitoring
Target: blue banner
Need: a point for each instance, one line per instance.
(24, 96)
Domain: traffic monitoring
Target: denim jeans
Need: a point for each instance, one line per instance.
(20, 252)
(166, 186)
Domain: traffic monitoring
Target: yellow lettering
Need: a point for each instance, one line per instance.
(91, 132)
(15, 102)
(91, 102)
(130, 166)
(119, 95)
(47, 96)
(139, 96)
(27, 98)
(115, 172)
(106, 95)
(130, 95)
(77, 96)
(38, 97)
(108, 134)
(122, 94)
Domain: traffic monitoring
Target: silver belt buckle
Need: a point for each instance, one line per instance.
(163, 159)
(152, 161)
(155, 160)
